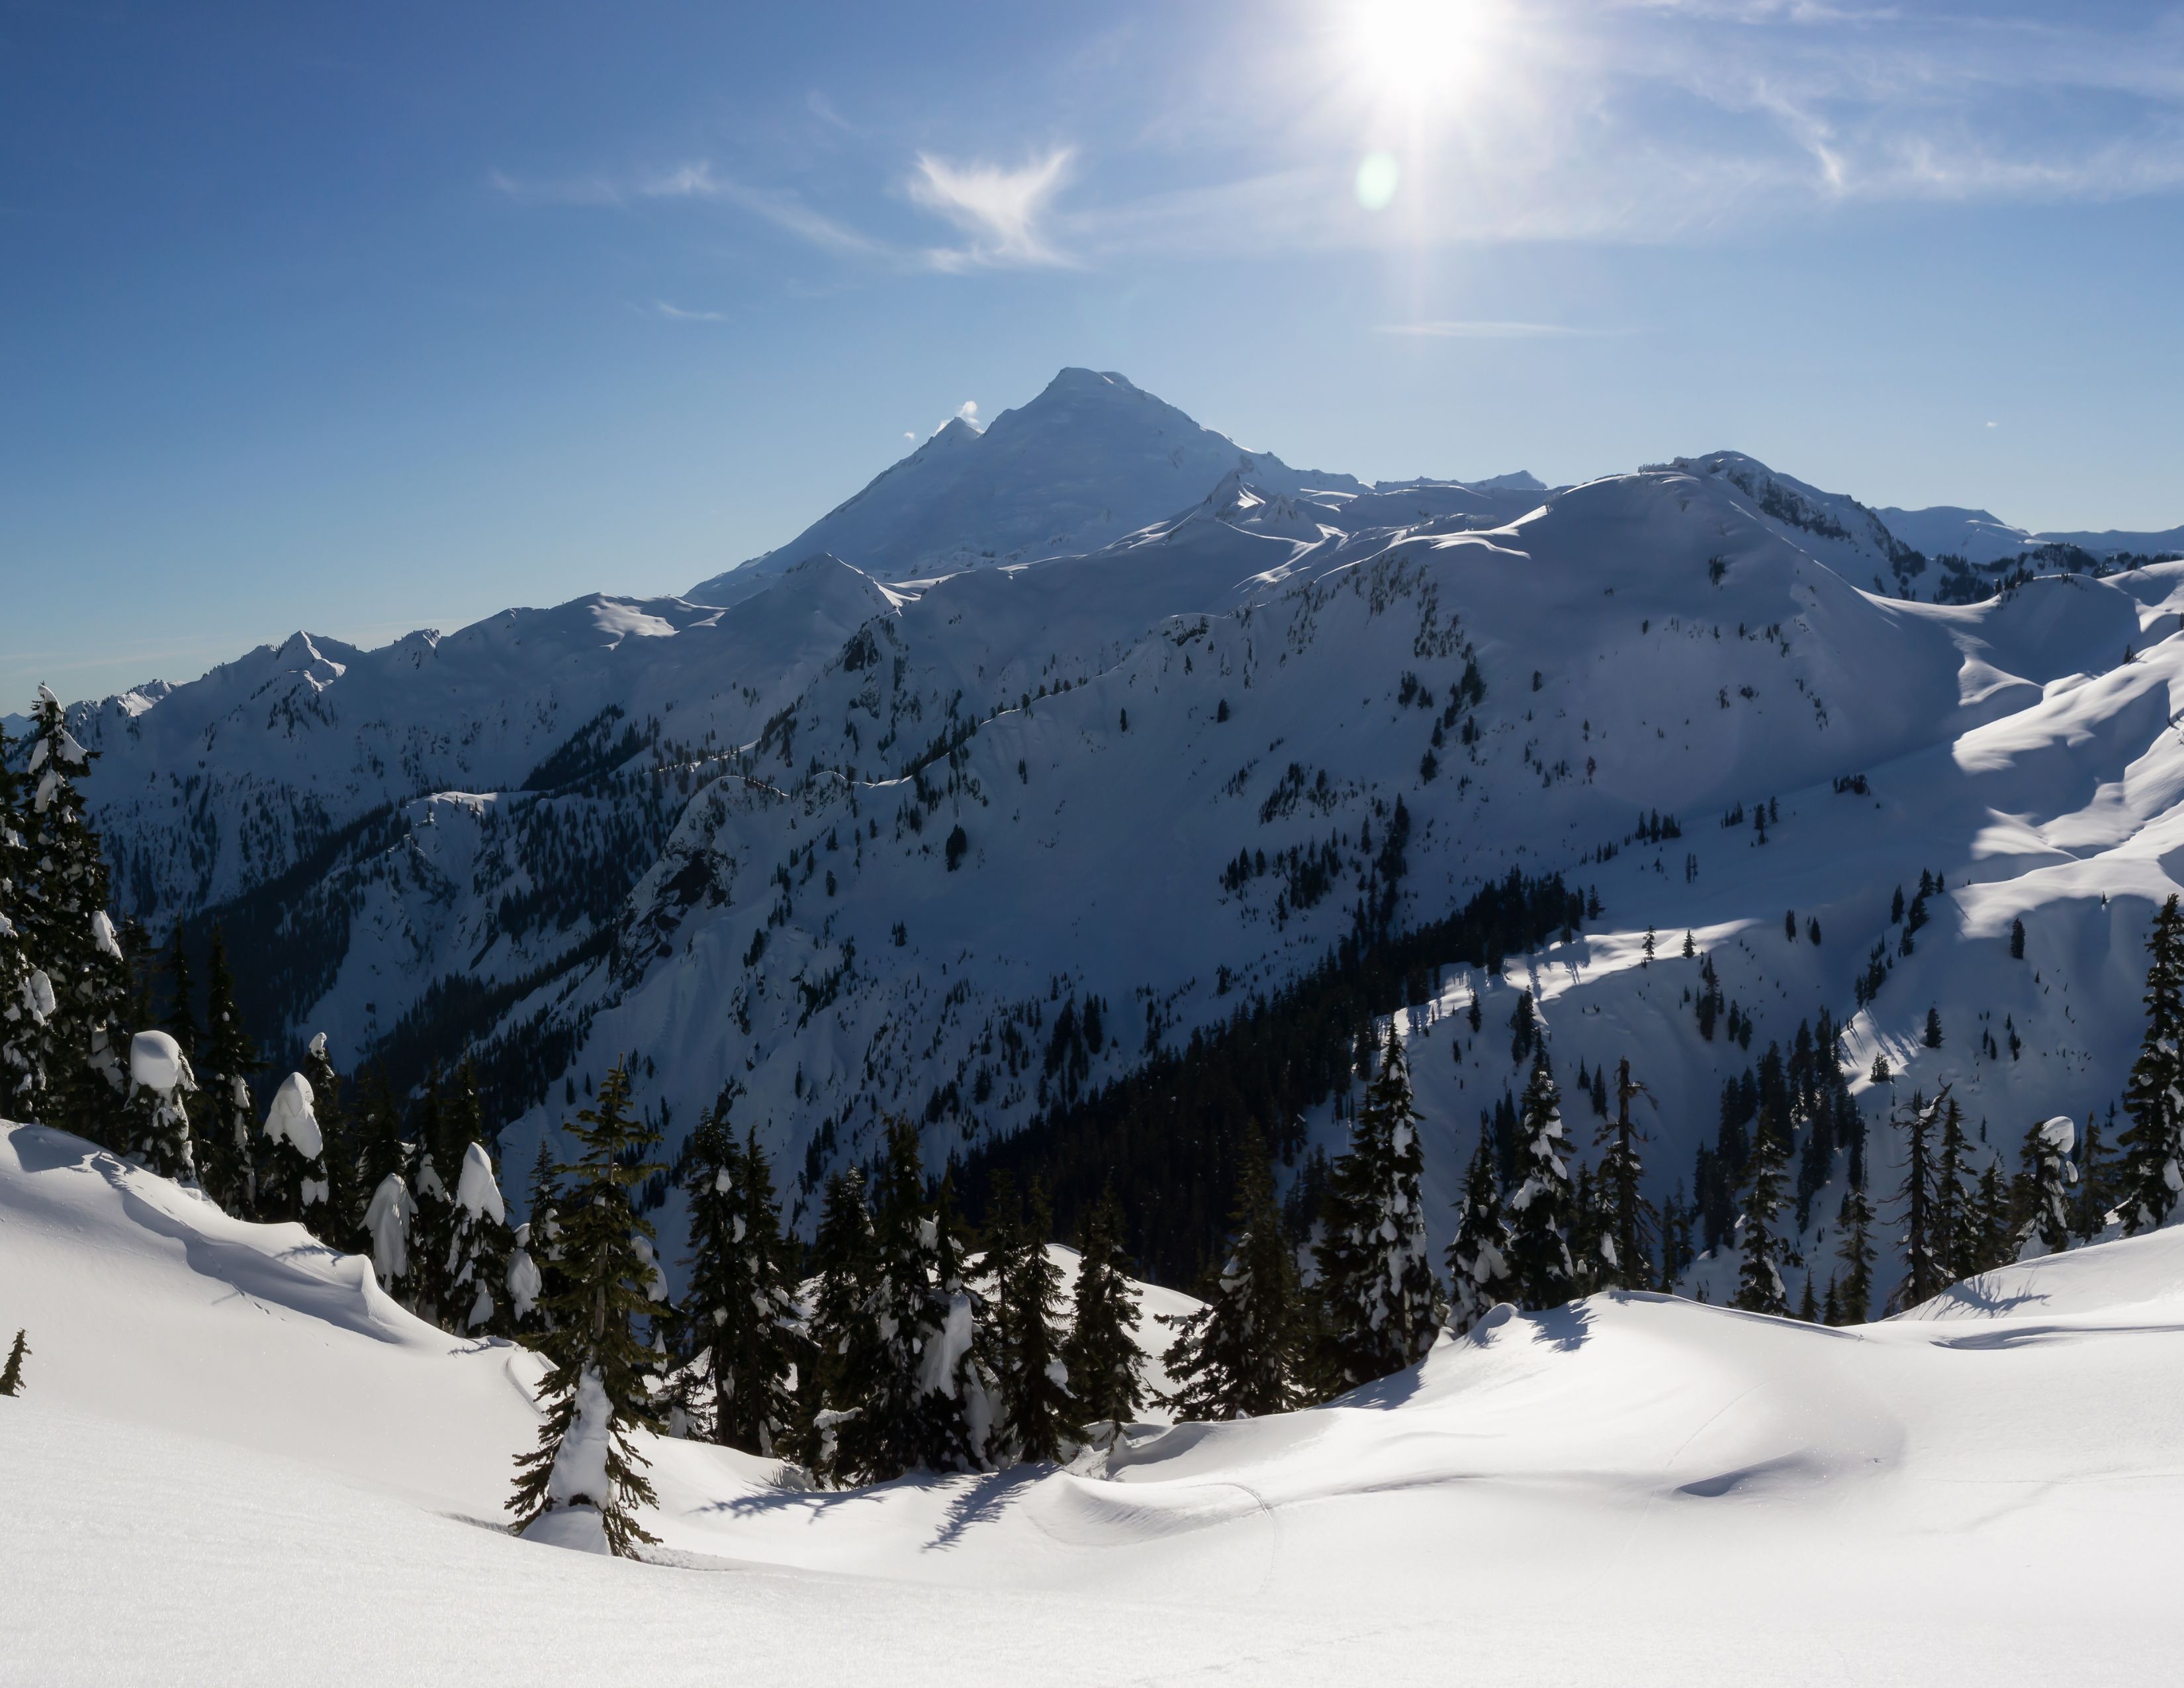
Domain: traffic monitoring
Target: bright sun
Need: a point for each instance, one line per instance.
(1413, 47)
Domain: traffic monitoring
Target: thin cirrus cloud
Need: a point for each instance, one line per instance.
(676, 313)
(1467, 329)
(1004, 212)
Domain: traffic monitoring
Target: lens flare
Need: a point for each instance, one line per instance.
(1378, 178)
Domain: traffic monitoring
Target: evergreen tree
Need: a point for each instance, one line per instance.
(390, 1224)
(292, 1177)
(1857, 1254)
(1926, 1272)
(67, 930)
(1101, 1355)
(1759, 1287)
(1241, 1355)
(1376, 1281)
(180, 1022)
(739, 1308)
(1479, 1277)
(540, 1242)
(1537, 1211)
(230, 1168)
(480, 1249)
(156, 1123)
(1040, 1416)
(437, 1162)
(595, 1394)
(844, 1335)
(380, 1153)
(2153, 1147)
(2046, 1177)
(11, 1374)
(1627, 1239)
(1993, 1238)
(26, 994)
(1954, 1222)
(343, 1209)
(526, 1283)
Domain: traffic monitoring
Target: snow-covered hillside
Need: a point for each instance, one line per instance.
(234, 1461)
(879, 837)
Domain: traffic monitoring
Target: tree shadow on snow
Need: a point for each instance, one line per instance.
(982, 1500)
(40, 1149)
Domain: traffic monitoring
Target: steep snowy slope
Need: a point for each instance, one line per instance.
(226, 1467)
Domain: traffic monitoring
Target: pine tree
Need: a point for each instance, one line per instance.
(739, 1307)
(436, 1163)
(380, 1153)
(594, 1395)
(1376, 1281)
(1759, 1287)
(181, 1020)
(2047, 1177)
(11, 1374)
(2153, 1147)
(156, 1131)
(1241, 1355)
(292, 1178)
(230, 1168)
(1537, 1211)
(390, 1224)
(1104, 1363)
(1040, 1416)
(480, 1248)
(844, 1335)
(1630, 1221)
(1926, 1267)
(26, 994)
(67, 930)
(1857, 1254)
(1478, 1276)
(1953, 1220)
(540, 1242)
(343, 1209)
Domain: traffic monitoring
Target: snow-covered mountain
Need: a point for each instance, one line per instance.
(1981, 537)
(875, 830)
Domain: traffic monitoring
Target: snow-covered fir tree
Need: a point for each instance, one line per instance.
(1241, 1356)
(71, 936)
(435, 1167)
(1105, 1365)
(1955, 1221)
(1538, 1208)
(180, 1022)
(344, 1211)
(1628, 1221)
(292, 1180)
(157, 1122)
(740, 1308)
(1478, 1276)
(479, 1246)
(844, 1335)
(595, 1394)
(1376, 1282)
(1761, 1248)
(524, 1284)
(1039, 1419)
(2046, 1180)
(228, 1059)
(390, 1225)
(26, 994)
(2153, 1097)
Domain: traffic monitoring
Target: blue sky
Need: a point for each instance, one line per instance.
(367, 318)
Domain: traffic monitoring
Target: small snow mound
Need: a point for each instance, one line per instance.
(157, 1062)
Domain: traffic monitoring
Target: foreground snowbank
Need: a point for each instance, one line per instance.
(235, 1461)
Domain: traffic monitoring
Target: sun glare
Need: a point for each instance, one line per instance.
(1409, 48)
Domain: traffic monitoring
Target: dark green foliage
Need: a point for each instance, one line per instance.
(1759, 1288)
(1039, 1419)
(1924, 1258)
(1478, 1276)
(1541, 1204)
(1101, 1355)
(739, 1310)
(845, 1259)
(1378, 1297)
(1856, 1251)
(11, 1374)
(1630, 1221)
(227, 1134)
(1241, 1356)
(2153, 1146)
(595, 1392)
(1167, 1135)
(2044, 1186)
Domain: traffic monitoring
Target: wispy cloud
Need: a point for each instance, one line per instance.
(695, 180)
(1003, 211)
(675, 313)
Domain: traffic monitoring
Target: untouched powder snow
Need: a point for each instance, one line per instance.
(1632, 1489)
